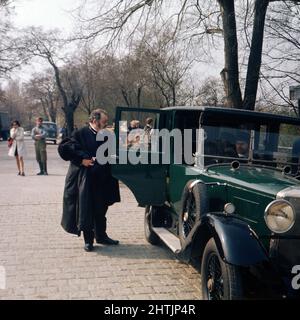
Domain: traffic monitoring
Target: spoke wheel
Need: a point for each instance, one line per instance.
(189, 216)
(215, 282)
(220, 281)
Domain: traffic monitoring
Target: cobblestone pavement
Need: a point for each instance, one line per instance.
(41, 261)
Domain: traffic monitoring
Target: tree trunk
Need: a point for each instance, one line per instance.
(69, 104)
(52, 113)
(174, 102)
(52, 108)
(69, 116)
(254, 63)
(45, 111)
(139, 96)
(231, 71)
(125, 97)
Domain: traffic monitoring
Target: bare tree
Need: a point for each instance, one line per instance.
(164, 63)
(4, 3)
(10, 56)
(13, 101)
(108, 80)
(42, 88)
(88, 77)
(129, 73)
(230, 74)
(99, 75)
(281, 68)
(203, 20)
(211, 93)
(47, 46)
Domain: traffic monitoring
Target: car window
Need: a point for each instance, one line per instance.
(136, 129)
(274, 144)
(223, 144)
(188, 120)
(49, 126)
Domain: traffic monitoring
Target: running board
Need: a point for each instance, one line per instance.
(169, 239)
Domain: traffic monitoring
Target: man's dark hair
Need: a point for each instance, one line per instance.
(243, 136)
(149, 121)
(40, 119)
(96, 114)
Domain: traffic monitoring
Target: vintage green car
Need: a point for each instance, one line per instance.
(231, 202)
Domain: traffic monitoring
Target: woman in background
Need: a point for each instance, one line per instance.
(17, 148)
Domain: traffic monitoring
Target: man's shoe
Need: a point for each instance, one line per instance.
(40, 174)
(88, 247)
(45, 173)
(107, 240)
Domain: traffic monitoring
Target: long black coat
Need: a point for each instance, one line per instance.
(83, 185)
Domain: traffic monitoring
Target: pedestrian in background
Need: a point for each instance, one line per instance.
(39, 134)
(17, 148)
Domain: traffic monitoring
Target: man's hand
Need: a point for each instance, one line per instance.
(87, 162)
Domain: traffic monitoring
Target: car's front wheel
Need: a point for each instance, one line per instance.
(220, 281)
(150, 236)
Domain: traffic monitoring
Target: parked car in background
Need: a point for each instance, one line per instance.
(235, 208)
(4, 126)
(51, 129)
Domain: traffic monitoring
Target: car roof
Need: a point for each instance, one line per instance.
(237, 112)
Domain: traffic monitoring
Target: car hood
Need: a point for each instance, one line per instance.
(265, 180)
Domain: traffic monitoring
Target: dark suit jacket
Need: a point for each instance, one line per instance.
(85, 185)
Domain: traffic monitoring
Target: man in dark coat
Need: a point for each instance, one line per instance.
(89, 187)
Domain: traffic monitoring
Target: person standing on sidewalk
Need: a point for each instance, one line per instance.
(89, 187)
(39, 134)
(17, 148)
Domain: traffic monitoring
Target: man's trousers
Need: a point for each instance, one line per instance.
(41, 154)
(99, 217)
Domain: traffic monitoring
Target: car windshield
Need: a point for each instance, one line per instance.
(272, 144)
(49, 126)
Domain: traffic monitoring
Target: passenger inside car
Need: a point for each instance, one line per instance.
(225, 144)
(242, 145)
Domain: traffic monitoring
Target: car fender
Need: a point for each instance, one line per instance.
(236, 241)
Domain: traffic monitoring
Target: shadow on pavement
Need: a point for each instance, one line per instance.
(134, 251)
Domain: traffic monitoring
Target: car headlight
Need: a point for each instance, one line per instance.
(280, 216)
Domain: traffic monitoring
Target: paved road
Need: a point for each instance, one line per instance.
(43, 262)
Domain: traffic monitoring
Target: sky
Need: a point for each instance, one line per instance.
(51, 14)
(47, 13)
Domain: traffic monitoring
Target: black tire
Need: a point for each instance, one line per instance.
(220, 281)
(150, 236)
(194, 205)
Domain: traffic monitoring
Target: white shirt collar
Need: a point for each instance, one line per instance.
(93, 129)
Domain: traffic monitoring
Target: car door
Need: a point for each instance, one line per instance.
(136, 148)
